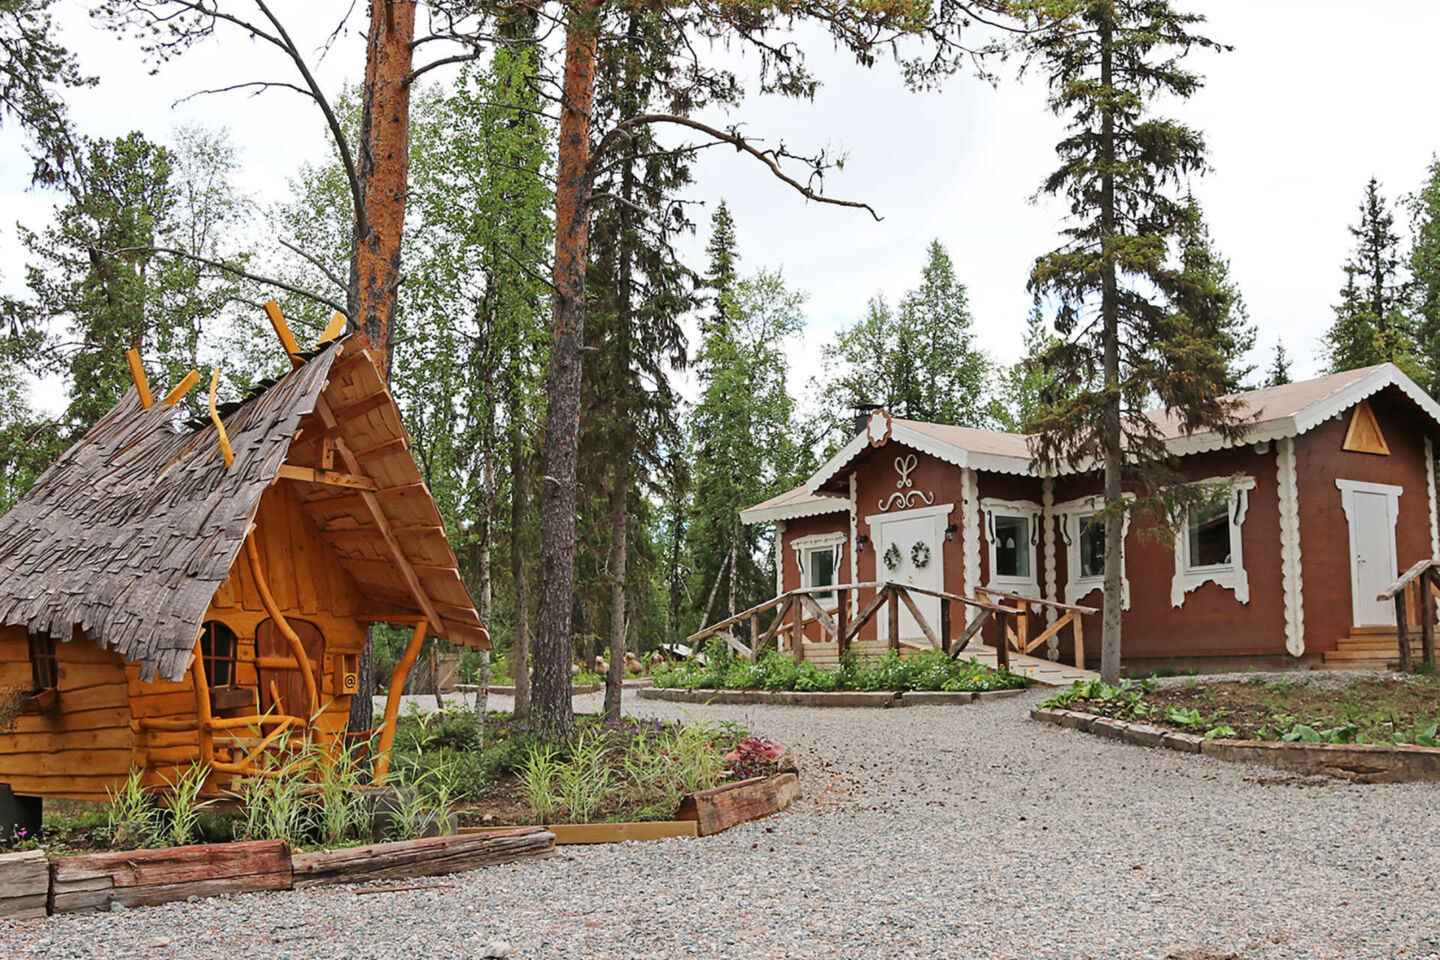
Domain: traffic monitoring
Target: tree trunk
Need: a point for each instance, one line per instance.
(734, 579)
(550, 713)
(486, 545)
(384, 172)
(519, 569)
(1111, 441)
(619, 555)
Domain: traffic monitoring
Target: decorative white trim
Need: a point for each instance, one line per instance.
(793, 511)
(803, 546)
(990, 506)
(970, 534)
(1292, 584)
(1391, 493)
(854, 536)
(1047, 523)
(938, 510)
(903, 496)
(1231, 576)
(1430, 491)
(779, 557)
(1077, 587)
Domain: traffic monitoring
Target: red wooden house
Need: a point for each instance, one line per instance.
(1330, 494)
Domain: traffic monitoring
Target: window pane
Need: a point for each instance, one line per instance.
(822, 569)
(217, 648)
(1209, 536)
(1092, 547)
(1012, 546)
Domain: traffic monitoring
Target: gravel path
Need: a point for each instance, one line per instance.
(953, 832)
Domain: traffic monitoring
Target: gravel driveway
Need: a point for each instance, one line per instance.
(951, 832)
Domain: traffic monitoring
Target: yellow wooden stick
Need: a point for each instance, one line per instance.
(333, 329)
(282, 330)
(392, 700)
(225, 449)
(142, 383)
(181, 388)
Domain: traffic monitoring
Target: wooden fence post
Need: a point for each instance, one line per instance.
(842, 621)
(1427, 619)
(755, 639)
(893, 613)
(945, 624)
(797, 636)
(1002, 649)
(1402, 631)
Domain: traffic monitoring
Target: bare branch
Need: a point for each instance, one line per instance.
(234, 270)
(329, 274)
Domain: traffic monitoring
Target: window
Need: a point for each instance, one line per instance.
(1208, 536)
(1092, 547)
(1208, 544)
(820, 570)
(1012, 547)
(44, 664)
(217, 650)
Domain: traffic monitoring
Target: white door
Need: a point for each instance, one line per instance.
(1372, 557)
(904, 534)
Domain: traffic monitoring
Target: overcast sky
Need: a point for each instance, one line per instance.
(1313, 100)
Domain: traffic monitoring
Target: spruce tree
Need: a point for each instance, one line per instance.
(1015, 405)
(1211, 299)
(1127, 339)
(1371, 325)
(1278, 373)
(1424, 264)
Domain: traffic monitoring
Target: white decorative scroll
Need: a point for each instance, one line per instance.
(1430, 487)
(970, 557)
(1047, 517)
(779, 557)
(905, 497)
(854, 539)
(1292, 585)
(1232, 576)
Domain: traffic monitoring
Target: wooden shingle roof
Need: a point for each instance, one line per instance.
(130, 533)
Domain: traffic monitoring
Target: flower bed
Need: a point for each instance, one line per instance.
(1359, 710)
(928, 670)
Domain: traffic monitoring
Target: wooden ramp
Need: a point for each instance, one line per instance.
(1046, 672)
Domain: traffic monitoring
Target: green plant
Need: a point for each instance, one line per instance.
(583, 780)
(340, 810)
(274, 807)
(1221, 732)
(537, 780)
(181, 820)
(132, 817)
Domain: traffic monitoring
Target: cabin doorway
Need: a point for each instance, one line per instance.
(1371, 510)
(282, 685)
(910, 549)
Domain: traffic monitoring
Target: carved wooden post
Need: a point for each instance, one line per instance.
(893, 612)
(842, 622)
(1402, 631)
(945, 624)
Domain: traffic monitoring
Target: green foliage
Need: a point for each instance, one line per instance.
(132, 817)
(925, 670)
(1020, 386)
(183, 806)
(34, 69)
(1424, 265)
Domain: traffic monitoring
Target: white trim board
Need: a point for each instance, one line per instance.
(1232, 576)
(1392, 494)
(1076, 588)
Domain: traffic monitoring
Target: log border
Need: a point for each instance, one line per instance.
(874, 699)
(1356, 762)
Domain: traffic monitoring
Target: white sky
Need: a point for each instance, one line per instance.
(1313, 100)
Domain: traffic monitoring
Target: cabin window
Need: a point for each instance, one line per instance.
(1208, 545)
(818, 557)
(1092, 547)
(1012, 547)
(1012, 528)
(44, 663)
(1082, 528)
(217, 650)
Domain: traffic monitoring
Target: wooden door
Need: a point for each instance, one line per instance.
(287, 681)
(913, 538)
(1373, 557)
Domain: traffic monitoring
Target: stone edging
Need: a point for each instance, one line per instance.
(817, 698)
(1357, 762)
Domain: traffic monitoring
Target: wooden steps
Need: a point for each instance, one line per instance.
(1369, 648)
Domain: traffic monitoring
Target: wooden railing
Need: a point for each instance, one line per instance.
(1018, 635)
(1414, 595)
(796, 609)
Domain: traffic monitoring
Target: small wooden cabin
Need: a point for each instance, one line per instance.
(1327, 497)
(158, 586)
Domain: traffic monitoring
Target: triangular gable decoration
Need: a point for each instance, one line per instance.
(1364, 435)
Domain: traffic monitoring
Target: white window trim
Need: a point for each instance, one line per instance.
(1077, 587)
(1391, 493)
(1231, 576)
(989, 507)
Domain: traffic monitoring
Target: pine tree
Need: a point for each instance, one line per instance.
(1126, 339)
(1211, 300)
(34, 70)
(1279, 372)
(1370, 324)
(1015, 405)
(1424, 264)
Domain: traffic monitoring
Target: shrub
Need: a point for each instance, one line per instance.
(925, 670)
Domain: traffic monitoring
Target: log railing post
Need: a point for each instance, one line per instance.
(1428, 583)
(893, 613)
(945, 624)
(797, 635)
(1002, 649)
(1022, 625)
(1402, 630)
(755, 639)
(842, 621)
(1079, 625)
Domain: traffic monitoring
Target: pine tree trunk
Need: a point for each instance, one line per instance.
(619, 555)
(486, 547)
(1111, 441)
(520, 570)
(550, 713)
(384, 172)
(734, 580)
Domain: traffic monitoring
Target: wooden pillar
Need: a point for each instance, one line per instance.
(202, 711)
(945, 624)
(755, 639)
(797, 632)
(892, 611)
(392, 699)
(1002, 649)
(842, 622)
(1022, 626)
(1427, 637)
(1402, 631)
(1079, 626)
